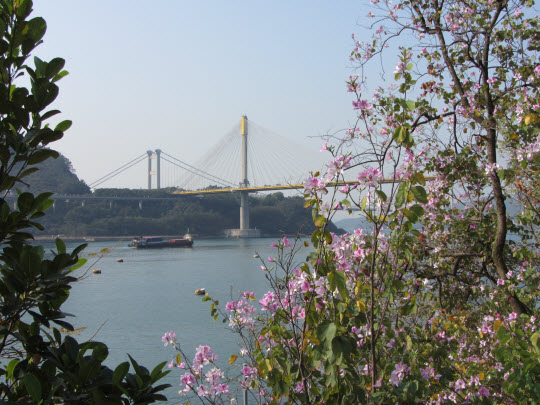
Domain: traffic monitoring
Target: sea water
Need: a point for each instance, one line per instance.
(130, 304)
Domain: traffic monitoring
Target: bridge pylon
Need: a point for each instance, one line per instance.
(151, 155)
(244, 231)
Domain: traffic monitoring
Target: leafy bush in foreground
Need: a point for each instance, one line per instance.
(41, 364)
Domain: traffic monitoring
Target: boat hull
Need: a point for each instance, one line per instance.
(160, 243)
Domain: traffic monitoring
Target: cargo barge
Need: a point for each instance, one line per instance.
(152, 242)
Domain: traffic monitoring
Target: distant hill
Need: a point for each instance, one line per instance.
(57, 176)
(351, 224)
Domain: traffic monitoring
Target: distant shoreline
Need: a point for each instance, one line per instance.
(109, 238)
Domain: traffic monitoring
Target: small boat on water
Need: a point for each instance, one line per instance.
(151, 242)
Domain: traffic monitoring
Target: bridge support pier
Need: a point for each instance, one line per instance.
(244, 231)
(244, 211)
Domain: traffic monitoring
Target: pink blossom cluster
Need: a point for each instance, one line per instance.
(528, 152)
(242, 312)
(314, 185)
(370, 177)
(169, 338)
(337, 167)
(399, 374)
(249, 376)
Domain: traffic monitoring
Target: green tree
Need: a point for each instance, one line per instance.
(42, 365)
(438, 301)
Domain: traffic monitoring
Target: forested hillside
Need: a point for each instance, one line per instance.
(273, 214)
(207, 216)
(58, 176)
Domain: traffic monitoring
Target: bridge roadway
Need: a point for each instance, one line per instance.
(276, 187)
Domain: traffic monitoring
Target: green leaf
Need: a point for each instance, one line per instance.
(534, 340)
(54, 67)
(326, 331)
(27, 172)
(11, 367)
(23, 8)
(417, 209)
(60, 246)
(24, 202)
(337, 279)
(381, 195)
(41, 155)
(63, 126)
(418, 178)
(341, 346)
(120, 372)
(401, 195)
(363, 204)
(411, 105)
(49, 114)
(60, 75)
(319, 221)
(400, 134)
(32, 385)
(419, 194)
(156, 372)
(36, 28)
(327, 237)
(81, 262)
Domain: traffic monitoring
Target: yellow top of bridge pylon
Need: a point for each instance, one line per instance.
(243, 125)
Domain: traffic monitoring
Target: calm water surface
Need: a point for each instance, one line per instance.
(131, 304)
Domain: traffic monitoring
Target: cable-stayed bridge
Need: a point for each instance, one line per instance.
(268, 159)
(248, 159)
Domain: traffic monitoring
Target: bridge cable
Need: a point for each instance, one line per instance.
(121, 167)
(197, 174)
(117, 172)
(198, 170)
(217, 160)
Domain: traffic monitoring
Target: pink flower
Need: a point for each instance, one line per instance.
(399, 373)
(248, 294)
(268, 302)
(324, 147)
(188, 380)
(169, 338)
(491, 80)
(483, 392)
(230, 306)
(362, 105)
(286, 242)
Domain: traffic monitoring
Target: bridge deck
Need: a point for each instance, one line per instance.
(276, 187)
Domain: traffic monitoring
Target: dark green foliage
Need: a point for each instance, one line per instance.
(56, 176)
(40, 365)
(273, 214)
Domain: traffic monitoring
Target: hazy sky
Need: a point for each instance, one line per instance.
(177, 75)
